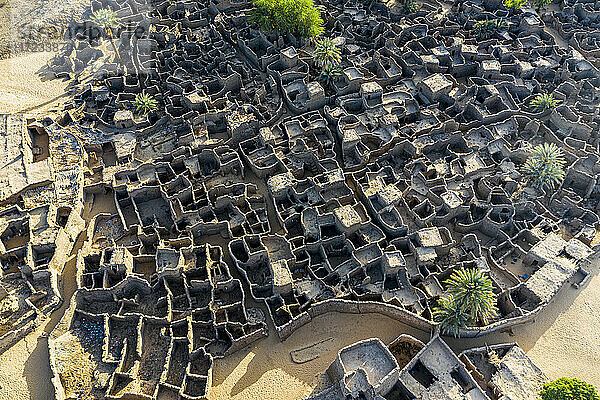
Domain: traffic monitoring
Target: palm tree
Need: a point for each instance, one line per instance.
(545, 166)
(329, 73)
(540, 4)
(328, 57)
(488, 28)
(144, 103)
(514, 5)
(472, 290)
(326, 53)
(107, 20)
(450, 315)
(543, 102)
(409, 6)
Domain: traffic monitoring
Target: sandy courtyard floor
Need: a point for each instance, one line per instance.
(570, 347)
(25, 370)
(564, 341)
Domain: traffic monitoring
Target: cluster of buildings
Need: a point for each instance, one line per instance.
(253, 180)
(40, 220)
(408, 369)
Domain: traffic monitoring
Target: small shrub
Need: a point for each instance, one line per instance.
(297, 17)
(545, 166)
(568, 389)
(543, 102)
(540, 4)
(514, 5)
(450, 315)
(326, 53)
(144, 103)
(410, 6)
(488, 28)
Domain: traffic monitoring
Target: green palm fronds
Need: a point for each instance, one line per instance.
(144, 103)
(410, 6)
(540, 4)
(545, 166)
(473, 290)
(105, 18)
(450, 315)
(543, 102)
(488, 28)
(298, 17)
(329, 73)
(514, 5)
(326, 53)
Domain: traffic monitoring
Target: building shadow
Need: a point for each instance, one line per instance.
(37, 372)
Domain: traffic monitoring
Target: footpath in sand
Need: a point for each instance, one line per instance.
(564, 339)
(265, 370)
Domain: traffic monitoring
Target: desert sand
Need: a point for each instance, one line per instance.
(265, 370)
(563, 341)
(22, 90)
(571, 345)
(25, 369)
(35, 21)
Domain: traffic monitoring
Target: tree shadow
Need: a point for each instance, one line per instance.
(250, 364)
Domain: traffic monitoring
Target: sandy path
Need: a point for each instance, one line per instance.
(564, 340)
(25, 368)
